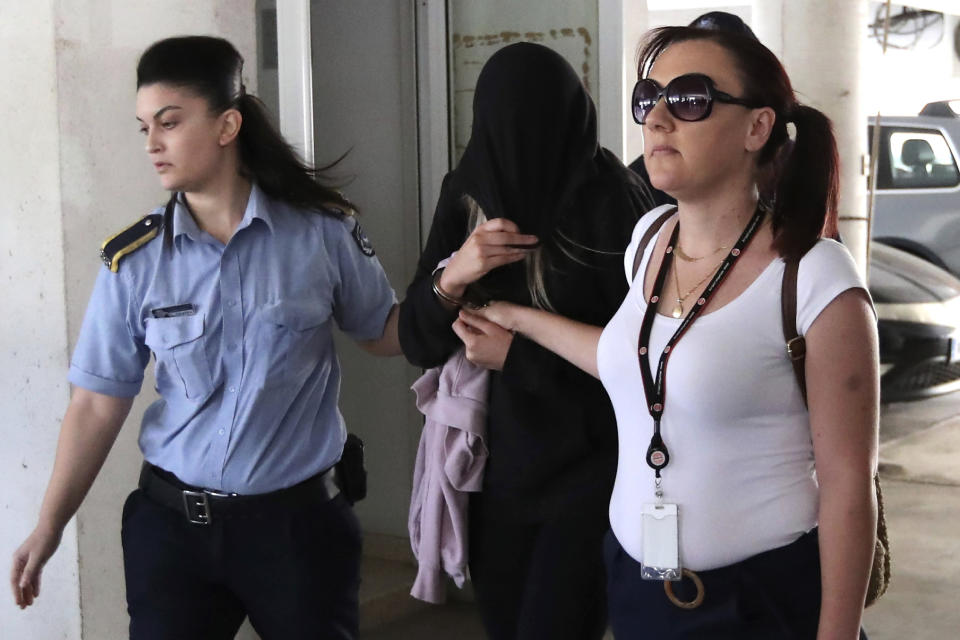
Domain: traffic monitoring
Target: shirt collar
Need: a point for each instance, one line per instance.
(183, 222)
(257, 207)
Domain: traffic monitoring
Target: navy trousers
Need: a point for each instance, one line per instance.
(774, 595)
(295, 572)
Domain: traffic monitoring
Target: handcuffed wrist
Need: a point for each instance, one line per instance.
(446, 296)
(443, 295)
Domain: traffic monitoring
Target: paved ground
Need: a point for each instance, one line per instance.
(921, 604)
(455, 621)
(920, 446)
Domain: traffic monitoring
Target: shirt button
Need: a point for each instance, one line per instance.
(231, 346)
(220, 431)
(233, 389)
(231, 303)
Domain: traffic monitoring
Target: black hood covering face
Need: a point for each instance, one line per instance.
(533, 158)
(534, 137)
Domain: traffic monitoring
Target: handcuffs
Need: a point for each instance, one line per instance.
(454, 300)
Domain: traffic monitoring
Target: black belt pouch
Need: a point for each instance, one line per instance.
(350, 470)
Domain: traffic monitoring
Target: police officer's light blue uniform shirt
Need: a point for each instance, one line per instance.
(249, 381)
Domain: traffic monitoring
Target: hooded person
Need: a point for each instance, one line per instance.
(536, 212)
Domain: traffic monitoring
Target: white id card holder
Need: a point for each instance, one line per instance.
(661, 542)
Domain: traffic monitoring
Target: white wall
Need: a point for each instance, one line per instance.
(636, 22)
(33, 342)
(79, 174)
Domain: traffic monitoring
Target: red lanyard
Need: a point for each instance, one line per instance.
(658, 456)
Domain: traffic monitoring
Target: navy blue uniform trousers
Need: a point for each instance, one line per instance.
(295, 572)
(774, 595)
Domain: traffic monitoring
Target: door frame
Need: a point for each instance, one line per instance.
(295, 79)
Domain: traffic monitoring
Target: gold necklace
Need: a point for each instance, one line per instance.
(678, 310)
(688, 258)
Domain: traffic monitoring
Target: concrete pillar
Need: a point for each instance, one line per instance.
(821, 44)
(33, 343)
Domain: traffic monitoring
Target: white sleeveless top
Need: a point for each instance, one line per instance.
(741, 457)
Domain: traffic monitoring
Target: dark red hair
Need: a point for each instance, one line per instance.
(802, 176)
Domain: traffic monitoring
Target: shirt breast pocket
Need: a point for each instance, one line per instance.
(178, 345)
(292, 339)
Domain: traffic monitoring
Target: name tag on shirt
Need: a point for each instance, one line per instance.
(175, 311)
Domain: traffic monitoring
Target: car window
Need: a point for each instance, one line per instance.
(916, 159)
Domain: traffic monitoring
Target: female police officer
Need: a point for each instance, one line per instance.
(233, 287)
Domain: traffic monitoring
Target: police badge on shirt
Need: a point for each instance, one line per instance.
(362, 240)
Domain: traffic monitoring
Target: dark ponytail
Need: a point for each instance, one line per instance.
(801, 177)
(807, 184)
(267, 159)
(212, 68)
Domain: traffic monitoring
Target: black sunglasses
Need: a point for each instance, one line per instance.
(689, 97)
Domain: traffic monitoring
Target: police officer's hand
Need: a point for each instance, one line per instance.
(492, 244)
(486, 343)
(28, 562)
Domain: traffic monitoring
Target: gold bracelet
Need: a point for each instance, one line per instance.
(443, 295)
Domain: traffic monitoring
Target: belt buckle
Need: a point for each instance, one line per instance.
(196, 505)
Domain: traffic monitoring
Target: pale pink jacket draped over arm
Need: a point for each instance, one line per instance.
(450, 463)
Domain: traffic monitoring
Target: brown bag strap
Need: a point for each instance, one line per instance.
(797, 351)
(647, 236)
(796, 344)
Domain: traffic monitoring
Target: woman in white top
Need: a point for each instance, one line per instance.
(776, 503)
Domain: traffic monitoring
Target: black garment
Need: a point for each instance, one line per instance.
(773, 595)
(533, 142)
(295, 572)
(533, 158)
(538, 581)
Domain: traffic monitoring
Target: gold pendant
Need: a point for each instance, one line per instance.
(677, 310)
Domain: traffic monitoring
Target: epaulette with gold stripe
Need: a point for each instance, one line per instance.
(130, 239)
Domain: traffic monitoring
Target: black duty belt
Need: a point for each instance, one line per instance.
(202, 506)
